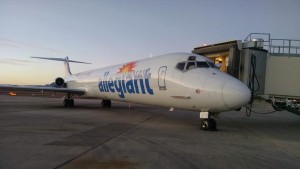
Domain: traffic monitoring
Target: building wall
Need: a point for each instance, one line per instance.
(283, 76)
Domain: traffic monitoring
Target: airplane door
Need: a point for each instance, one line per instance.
(161, 78)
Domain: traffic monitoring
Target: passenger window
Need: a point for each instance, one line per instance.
(202, 64)
(190, 66)
(180, 66)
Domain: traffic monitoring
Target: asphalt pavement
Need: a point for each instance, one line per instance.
(41, 133)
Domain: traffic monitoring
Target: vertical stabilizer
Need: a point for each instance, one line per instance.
(67, 67)
(66, 63)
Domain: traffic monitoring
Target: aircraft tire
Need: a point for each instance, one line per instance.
(209, 125)
(213, 124)
(66, 102)
(71, 103)
(103, 103)
(106, 103)
(204, 124)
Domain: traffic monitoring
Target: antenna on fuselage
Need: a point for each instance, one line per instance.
(65, 60)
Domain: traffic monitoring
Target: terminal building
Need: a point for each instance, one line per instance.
(270, 66)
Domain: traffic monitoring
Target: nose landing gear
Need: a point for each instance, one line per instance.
(207, 123)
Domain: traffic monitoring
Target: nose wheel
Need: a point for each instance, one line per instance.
(207, 123)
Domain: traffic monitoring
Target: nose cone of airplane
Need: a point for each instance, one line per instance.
(236, 94)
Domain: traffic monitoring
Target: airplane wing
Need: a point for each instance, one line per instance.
(42, 89)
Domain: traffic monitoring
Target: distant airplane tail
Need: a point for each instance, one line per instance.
(66, 63)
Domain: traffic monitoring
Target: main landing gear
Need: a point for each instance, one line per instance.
(106, 103)
(68, 101)
(207, 123)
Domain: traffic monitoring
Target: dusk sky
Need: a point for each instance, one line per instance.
(108, 32)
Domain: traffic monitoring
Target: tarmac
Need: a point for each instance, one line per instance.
(41, 133)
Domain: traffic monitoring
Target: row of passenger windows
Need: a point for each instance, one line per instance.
(185, 66)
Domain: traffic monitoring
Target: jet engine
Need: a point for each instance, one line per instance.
(59, 82)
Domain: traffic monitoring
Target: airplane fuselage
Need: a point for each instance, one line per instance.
(182, 80)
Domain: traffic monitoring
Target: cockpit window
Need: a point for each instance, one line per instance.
(190, 66)
(180, 66)
(202, 64)
(212, 65)
(192, 58)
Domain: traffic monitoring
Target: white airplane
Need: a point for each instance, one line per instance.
(179, 80)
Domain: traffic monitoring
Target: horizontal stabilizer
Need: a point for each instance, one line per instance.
(66, 62)
(60, 59)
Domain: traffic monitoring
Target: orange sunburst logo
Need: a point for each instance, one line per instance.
(127, 67)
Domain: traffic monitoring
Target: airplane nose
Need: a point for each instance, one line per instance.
(236, 94)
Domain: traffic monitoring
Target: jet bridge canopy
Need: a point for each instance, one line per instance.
(225, 53)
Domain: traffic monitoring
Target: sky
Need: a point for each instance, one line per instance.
(108, 32)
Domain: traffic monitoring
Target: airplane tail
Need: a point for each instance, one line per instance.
(66, 63)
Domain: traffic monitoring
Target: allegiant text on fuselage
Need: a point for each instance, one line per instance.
(135, 82)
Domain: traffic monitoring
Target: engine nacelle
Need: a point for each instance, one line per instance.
(60, 82)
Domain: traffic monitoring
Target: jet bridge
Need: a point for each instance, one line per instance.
(236, 57)
(270, 67)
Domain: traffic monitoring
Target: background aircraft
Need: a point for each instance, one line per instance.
(178, 80)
